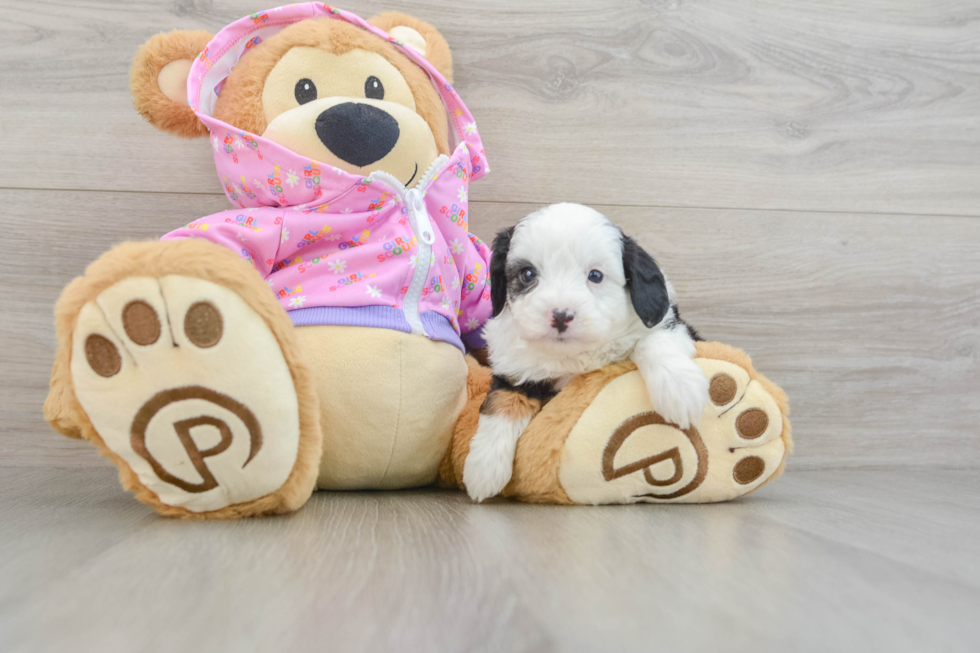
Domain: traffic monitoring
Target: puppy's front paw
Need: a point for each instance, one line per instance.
(490, 463)
(678, 391)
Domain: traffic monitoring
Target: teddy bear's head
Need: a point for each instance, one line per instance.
(323, 88)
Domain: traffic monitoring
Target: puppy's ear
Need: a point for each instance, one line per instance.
(646, 283)
(421, 37)
(498, 270)
(158, 81)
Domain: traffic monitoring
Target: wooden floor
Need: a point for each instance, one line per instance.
(807, 172)
(821, 561)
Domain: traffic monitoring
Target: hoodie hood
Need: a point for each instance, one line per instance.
(254, 171)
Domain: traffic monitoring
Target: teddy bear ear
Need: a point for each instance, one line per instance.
(158, 81)
(420, 36)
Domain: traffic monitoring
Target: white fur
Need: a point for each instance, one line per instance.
(564, 242)
(490, 463)
(677, 386)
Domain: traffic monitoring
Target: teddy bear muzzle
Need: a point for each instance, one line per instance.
(357, 133)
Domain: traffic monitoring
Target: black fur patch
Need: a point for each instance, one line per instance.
(540, 390)
(691, 331)
(516, 286)
(498, 270)
(648, 289)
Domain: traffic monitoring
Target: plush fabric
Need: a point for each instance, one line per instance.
(201, 365)
(393, 426)
(196, 260)
(144, 76)
(437, 51)
(241, 105)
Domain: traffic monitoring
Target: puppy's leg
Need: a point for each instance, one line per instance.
(504, 415)
(677, 385)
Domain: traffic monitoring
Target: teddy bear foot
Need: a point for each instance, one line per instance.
(736, 447)
(188, 390)
(599, 440)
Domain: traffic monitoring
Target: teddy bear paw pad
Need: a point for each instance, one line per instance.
(621, 451)
(187, 384)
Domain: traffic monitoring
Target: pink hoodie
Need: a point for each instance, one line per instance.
(338, 248)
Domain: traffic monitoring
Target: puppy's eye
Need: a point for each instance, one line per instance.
(595, 276)
(527, 275)
(305, 91)
(374, 89)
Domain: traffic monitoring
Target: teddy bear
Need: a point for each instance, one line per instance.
(325, 332)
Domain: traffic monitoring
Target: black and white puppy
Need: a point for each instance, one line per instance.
(571, 293)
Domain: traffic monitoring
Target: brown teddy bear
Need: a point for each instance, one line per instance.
(348, 155)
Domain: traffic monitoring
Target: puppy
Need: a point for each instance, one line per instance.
(571, 293)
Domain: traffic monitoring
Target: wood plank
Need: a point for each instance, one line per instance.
(823, 106)
(820, 561)
(871, 323)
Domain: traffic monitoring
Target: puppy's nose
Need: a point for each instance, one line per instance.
(359, 134)
(560, 320)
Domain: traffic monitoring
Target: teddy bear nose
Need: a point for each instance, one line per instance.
(359, 134)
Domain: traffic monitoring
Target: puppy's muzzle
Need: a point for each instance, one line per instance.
(359, 134)
(560, 320)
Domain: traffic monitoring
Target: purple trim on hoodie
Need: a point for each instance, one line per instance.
(474, 339)
(386, 317)
(439, 328)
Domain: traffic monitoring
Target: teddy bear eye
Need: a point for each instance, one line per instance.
(374, 89)
(305, 91)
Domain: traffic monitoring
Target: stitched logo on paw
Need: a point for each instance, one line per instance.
(618, 442)
(621, 451)
(183, 430)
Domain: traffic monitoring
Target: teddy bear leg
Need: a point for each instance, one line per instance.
(599, 441)
(388, 404)
(175, 360)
